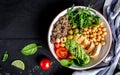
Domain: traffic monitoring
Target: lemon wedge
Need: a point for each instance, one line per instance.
(19, 64)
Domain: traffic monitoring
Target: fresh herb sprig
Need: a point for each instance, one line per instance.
(5, 57)
(82, 17)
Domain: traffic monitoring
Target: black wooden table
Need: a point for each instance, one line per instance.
(26, 21)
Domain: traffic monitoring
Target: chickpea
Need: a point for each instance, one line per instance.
(94, 34)
(100, 32)
(98, 26)
(91, 40)
(104, 29)
(104, 33)
(70, 31)
(101, 24)
(90, 27)
(87, 32)
(95, 28)
(99, 37)
(103, 42)
(86, 29)
(102, 39)
(88, 36)
(84, 33)
(96, 43)
(94, 39)
(99, 29)
(93, 31)
(98, 40)
(91, 36)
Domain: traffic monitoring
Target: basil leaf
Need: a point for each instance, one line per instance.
(5, 57)
(30, 49)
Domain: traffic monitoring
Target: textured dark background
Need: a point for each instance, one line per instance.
(26, 21)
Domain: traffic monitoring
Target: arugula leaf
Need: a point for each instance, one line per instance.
(5, 57)
(82, 17)
(30, 49)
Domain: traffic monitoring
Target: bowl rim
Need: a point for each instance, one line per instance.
(109, 29)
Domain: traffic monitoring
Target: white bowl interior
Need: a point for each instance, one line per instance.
(104, 51)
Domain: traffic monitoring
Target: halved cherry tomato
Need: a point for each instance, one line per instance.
(62, 52)
(45, 63)
(57, 45)
(70, 56)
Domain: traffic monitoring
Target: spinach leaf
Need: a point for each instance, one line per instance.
(65, 62)
(5, 57)
(30, 49)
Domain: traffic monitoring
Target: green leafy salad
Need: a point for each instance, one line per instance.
(76, 35)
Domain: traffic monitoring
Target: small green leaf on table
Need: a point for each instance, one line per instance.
(5, 57)
(30, 49)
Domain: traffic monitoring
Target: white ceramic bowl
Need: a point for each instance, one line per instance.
(104, 51)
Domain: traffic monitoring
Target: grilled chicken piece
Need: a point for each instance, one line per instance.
(76, 37)
(91, 48)
(85, 44)
(97, 51)
(81, 39)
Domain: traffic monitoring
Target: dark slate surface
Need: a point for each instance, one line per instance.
(26, 21)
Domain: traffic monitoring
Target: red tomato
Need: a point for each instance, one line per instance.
(45, 63)
(62, 52)
(70, 56)
(57, 45)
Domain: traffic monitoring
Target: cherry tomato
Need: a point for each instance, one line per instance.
(62, 52)
(45, 64)
(70, 56)
(57, 45)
